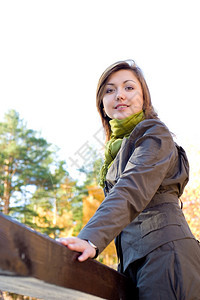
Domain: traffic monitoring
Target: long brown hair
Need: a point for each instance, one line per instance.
(148, 109)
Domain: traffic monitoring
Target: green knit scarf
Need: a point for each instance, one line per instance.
(119, 130)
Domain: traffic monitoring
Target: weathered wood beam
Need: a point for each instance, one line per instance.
(36, 262)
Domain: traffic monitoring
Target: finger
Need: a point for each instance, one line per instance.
(74, 247)
(66, 241)
(84, 256)
(74, 243)
(87, 253)
(80, 247)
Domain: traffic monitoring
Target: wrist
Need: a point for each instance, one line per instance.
(95, 247)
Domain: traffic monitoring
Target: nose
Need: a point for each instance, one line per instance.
(120, 95)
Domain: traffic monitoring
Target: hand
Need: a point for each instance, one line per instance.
(79, 245)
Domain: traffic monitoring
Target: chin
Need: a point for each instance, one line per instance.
(121, 116)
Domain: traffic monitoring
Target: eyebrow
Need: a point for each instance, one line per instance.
(123, 82)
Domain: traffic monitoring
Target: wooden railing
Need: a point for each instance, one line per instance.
(35, 265)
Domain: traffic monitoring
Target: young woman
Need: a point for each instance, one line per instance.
(143, 176)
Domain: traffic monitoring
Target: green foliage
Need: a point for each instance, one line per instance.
(30, 174)
(26, 159)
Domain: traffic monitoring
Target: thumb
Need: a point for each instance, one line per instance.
(87, 254)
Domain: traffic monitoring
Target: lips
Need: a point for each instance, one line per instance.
(121, 106)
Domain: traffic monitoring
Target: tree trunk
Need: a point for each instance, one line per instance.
(7, 189)
(6, 198)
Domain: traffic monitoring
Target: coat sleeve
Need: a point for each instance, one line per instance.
(141, 178)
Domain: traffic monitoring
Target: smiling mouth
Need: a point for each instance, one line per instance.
(121, 106)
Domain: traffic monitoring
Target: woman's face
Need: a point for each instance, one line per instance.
(122, 95)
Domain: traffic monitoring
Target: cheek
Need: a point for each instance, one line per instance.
(138, 100)
(107, 103)
(104, 104)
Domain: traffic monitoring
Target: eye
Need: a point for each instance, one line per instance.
(129, 88)
(109, 90)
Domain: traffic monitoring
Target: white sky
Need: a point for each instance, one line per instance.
(53, 52)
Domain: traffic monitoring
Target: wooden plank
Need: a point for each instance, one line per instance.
(32, 287)
(27, 253)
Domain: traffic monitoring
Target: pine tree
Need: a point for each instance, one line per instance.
(26, 160)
